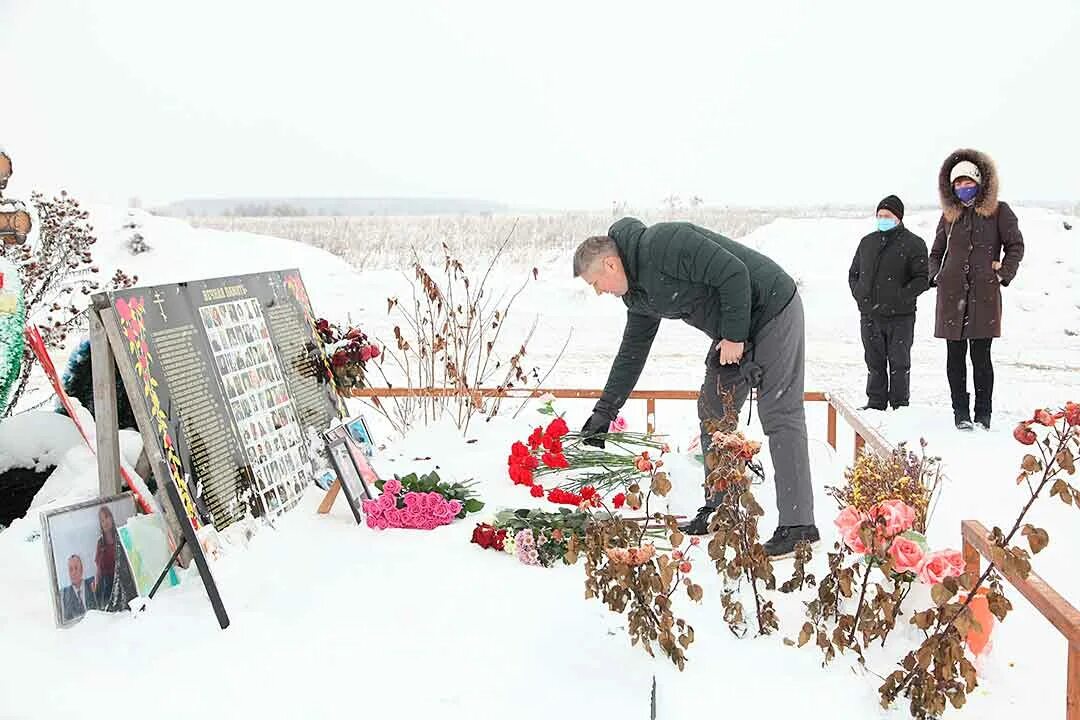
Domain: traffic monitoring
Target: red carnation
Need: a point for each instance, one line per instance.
(374, 351)
(500, 538)
(518, 450)
(619, 500)
(588, 492)
(552, 444)
(562, 497)
(537, 491)
(536, 438)
(520, 475)
(530, 463)
(557, 429)
(555, 460)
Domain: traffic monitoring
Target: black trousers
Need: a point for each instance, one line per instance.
(887, 350)
(982, 374)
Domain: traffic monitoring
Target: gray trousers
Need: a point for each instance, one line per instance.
(773, 362)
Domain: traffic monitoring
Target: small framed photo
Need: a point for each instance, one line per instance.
(352, 468)
(88, 567)
(361, 435)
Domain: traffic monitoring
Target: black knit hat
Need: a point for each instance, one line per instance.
(894, 205)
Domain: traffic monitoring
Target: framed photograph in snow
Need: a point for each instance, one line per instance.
(361, 434)
(88, 568)
(355, 474)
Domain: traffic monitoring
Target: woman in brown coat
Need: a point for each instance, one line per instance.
(969, 269)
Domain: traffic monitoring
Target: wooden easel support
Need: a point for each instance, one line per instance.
(106, 418)
(331, 496)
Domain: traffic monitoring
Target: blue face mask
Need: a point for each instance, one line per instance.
(967, 194)
(886, 224)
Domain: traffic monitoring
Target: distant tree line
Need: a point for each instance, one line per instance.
(265, 210)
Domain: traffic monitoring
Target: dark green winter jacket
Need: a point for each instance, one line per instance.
(680, 270)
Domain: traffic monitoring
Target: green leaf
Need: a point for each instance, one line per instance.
(473, 505)
(917, 538)
(379, 484)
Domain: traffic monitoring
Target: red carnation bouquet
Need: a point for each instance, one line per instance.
(555, 449)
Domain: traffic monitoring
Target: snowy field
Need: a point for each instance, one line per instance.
(331, 620)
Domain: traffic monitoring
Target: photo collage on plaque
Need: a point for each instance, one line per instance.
(254, 386)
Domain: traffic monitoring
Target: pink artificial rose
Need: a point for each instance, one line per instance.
(898, 516)
(392, 486)
(955, 561)
(412, 500)
(455, 507)
(386, 502)
(849, 521)
(381, 523)
(853, 541)
(370, 507)
(907, 555)
(939, 565)
(617, 425)
(372, 521)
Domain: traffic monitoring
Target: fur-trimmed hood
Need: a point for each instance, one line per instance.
(986, 202)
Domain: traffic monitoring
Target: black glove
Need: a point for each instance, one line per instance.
(595, 428)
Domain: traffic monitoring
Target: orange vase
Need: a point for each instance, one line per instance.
(978, 640)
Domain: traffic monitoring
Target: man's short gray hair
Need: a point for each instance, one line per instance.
(592, 250)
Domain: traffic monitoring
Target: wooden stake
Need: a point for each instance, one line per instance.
(103, 363)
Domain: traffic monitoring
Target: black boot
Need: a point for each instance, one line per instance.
(700, 524)
(782, 543)
(961, 409)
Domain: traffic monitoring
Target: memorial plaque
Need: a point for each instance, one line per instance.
(234, 379)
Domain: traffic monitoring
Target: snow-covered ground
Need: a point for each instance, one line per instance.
(332, 620)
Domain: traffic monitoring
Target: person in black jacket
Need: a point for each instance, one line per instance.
(752, 313)
(887, 275)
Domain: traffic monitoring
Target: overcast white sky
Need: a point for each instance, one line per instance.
(557, 104)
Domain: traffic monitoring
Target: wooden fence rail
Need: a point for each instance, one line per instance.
(863, 433)
(1061, 614)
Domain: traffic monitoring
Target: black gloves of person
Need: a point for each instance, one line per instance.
(595, 428)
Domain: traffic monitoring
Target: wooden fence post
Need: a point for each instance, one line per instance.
(1072, 686)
